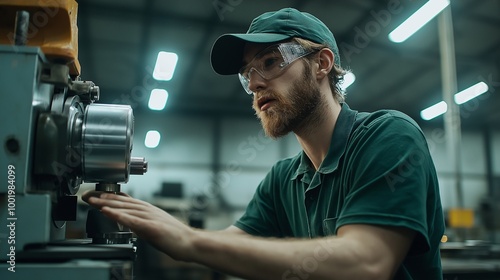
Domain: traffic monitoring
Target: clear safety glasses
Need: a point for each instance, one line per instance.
(270, 62)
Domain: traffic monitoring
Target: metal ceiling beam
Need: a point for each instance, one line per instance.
(425, 56)
(144, 46)
(482, 19)
(219, 106)
(428, 56)
(492, 54)
(207, 32)
(112, 11)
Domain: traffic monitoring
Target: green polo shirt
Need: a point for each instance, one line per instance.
(378, 171)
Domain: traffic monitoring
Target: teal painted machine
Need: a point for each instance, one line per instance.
(54, 137)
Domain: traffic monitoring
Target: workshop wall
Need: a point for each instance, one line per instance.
(473, 166)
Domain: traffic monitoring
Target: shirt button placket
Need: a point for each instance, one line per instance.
(308, 200)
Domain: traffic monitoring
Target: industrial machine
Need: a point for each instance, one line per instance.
(54, 137)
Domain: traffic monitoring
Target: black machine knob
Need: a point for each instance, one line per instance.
(103, 230)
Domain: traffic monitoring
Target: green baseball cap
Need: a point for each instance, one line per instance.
(270, 27)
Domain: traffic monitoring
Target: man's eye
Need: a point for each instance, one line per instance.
(270, 62)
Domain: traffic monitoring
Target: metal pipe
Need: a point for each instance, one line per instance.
(21, 28)
(449, 86)
(489, 162)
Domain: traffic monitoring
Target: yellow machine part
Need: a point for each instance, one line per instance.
(52, 27)
(461, 217)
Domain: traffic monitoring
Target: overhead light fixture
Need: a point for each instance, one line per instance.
(434, 111)
(158, 99)
(165, 66)
(349, 78)
(418, 19)
(460, 98)
(471, 92)
(152, 139)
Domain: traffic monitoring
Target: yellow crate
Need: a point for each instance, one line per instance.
(52, 27)
(461, 218)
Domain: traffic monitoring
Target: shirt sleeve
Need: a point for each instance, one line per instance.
(388, 177)
(260, 216)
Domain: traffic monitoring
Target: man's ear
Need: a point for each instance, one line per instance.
(325, 62)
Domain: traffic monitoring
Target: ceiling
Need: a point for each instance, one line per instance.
(119, 41)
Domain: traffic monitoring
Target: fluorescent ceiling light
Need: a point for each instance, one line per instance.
(158, 99)
(460, 98)
(423, 15)
(349, 78)
(165, 66)
(471, 92)
(434, 111)
(152, 139)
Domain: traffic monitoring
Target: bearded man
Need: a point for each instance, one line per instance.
(360, 201)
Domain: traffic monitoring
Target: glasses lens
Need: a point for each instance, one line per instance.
(270, 62)
(245, 83)
(267, 63)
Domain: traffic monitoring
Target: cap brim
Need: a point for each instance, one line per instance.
(227, 51)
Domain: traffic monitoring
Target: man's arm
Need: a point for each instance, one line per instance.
(357, 252)
(360, 252)
(234, 230)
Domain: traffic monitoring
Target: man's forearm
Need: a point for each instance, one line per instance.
(357, 252)
(259, 258)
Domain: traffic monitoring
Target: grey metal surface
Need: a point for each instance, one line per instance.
(107, 143)
(53, 137)
(75, 270)
(18, 75)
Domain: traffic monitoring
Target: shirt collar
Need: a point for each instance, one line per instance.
(338, 144)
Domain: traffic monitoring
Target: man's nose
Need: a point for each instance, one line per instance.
(256, 81)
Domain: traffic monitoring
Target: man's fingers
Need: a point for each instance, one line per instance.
(114, 203)
(126, 199)
(139, 213)
(124, 194)
(88, 194)
(124, 217)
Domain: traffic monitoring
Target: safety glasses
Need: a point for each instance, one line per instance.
(270, 62)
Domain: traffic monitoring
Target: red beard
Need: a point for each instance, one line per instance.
(291, 111)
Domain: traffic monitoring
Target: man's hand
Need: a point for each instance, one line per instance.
(151, 223)
(358, 252)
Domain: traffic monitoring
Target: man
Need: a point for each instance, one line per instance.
(361, 201)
